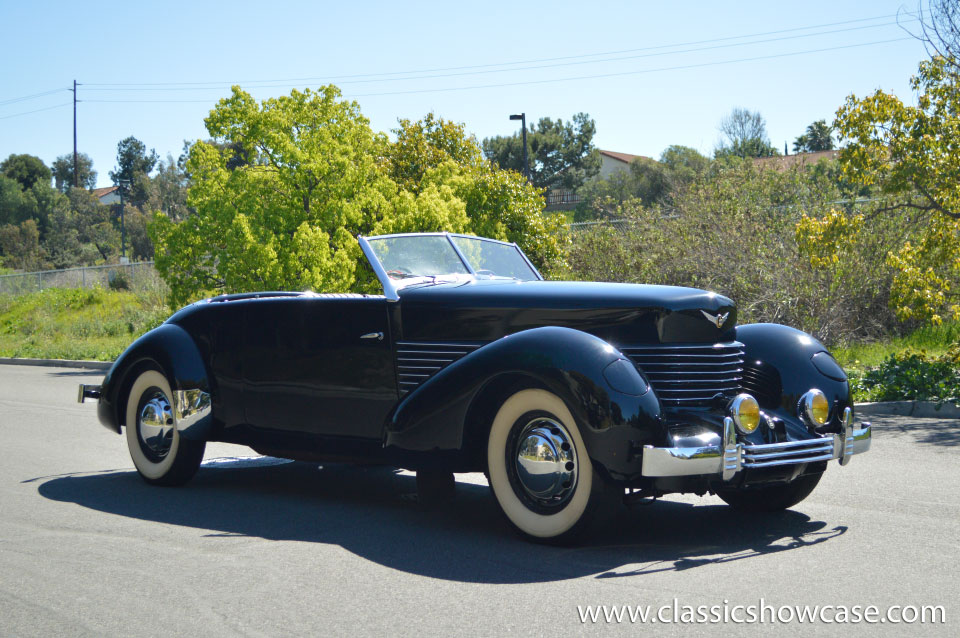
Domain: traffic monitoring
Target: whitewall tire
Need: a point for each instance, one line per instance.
(539, 470)
(160, 454)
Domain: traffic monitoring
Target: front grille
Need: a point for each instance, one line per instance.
(417, 361)
(690, 374)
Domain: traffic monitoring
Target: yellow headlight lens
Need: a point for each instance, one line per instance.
(746, 413)
(814, 407)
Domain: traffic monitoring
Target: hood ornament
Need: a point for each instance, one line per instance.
(718, 320)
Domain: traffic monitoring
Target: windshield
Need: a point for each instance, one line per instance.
(494, 259)
(413, 256)
(409, 259)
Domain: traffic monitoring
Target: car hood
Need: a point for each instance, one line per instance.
(622, 314)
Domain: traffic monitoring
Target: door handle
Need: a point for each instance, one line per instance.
(373, 335)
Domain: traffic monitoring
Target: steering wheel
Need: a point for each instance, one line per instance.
(399, 273)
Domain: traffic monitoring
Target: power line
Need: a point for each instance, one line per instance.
(30, 97)
(640, 72)
(555, 80)
(48, 108)
(480, 66)
(526, 68)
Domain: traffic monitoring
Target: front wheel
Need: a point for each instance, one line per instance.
(773, 498)
(539, 470)
(160, 454)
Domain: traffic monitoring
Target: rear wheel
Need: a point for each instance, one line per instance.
(539, 470)
(160, 454)
(773, 498)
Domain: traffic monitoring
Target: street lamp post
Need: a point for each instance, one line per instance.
(122, 183)
(523, 125)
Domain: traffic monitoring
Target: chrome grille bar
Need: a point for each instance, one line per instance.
(690, 374)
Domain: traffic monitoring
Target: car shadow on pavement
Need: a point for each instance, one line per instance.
(371, 512)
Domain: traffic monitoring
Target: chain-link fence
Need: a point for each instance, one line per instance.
(136, 276)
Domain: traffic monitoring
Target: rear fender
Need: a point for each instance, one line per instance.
(171, 349)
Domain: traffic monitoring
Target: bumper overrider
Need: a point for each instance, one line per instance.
(731, 455)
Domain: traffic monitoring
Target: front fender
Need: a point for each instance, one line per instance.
(790, 353)
(437, 415)
(170, 348)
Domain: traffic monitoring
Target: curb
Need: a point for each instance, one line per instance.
(57, 363)
(919, 409)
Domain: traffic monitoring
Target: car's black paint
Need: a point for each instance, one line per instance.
(169, 348)
(791, 353)
(290, 374)
(618, 313)
(452, 408)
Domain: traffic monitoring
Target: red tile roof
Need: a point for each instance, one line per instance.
(102, 192)
(626, 158)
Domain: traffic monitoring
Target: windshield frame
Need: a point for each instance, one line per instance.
(391, 291)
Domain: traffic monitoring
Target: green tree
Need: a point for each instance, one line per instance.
(167, 191)
(97, 231)
(685, 164)
(286, 219)
(646, 182)
(20, 246)
(15, 204)
(133, 161)
(561, 154)
(63, 172)
(26, 169)
(314, 176)
(434, 160)
(818, 137)
(426, 144)
(910, 154)
(61, 241)
(745, 135)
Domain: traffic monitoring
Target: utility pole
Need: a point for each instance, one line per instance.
(75, 170)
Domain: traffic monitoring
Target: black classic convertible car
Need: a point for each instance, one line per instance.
(568, 395)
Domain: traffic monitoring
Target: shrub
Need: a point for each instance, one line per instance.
(772, 241)
(912, 376)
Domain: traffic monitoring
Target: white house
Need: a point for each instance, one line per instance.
(109, 195)
(611, 162)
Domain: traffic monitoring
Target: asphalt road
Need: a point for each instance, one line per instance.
(261, 548)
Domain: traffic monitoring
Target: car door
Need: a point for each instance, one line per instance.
(319, 365)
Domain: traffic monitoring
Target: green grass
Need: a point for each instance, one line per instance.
(76, 323)
(930, 340)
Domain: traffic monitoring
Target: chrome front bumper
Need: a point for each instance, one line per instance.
(730, 457)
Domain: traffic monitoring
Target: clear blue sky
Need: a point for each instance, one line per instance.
(486, 60)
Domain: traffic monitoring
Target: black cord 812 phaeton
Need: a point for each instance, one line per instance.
(566, 394)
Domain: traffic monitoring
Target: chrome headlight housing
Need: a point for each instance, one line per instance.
(745, 412)
(814, 408)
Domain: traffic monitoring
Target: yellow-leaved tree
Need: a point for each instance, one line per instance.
(285, 185)
(912, 155)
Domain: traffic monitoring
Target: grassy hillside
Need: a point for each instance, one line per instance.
(76, 324)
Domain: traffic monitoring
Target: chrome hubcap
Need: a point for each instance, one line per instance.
(546, 462)
(156, 424)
